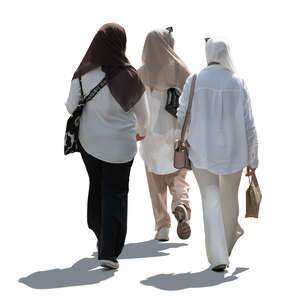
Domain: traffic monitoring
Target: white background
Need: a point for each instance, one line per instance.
(43, 194)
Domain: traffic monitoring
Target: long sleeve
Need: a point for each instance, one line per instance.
(74, 96)
(184, 100)
(141, 112)
(250, 130)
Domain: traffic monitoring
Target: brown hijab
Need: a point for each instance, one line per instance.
(108, 51)
(162, 67)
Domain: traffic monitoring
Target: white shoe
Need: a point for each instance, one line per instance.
(162, 234)
(109, 264)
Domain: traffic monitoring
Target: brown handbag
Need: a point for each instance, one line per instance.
(181, 149)
(253, 198)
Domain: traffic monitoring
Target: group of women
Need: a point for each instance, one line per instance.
(131, 107)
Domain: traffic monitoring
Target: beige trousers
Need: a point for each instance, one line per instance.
(219, 195)
(179, 189)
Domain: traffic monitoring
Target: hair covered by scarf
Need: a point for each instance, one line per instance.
(218, 51)
(162, 68)
(108, 51)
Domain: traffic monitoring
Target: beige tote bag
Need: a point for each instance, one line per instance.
(253, 198)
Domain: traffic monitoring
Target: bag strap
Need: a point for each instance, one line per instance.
(253, 179)
(81, 89)
(97, 88)
(93, 92)
(188, 112)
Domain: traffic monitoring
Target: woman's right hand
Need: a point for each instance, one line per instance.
(139, 138)
(250, 171)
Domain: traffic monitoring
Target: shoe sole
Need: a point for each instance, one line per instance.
(183, 227)
(108, 265)
(219, 268)
(162, 240)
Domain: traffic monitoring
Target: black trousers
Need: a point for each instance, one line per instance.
(107, 203)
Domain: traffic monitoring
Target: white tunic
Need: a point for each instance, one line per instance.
(106, 131)
(157, 149)
(222, 134)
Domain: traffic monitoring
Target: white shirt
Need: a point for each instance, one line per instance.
(157, 149)
(106, 131)
(222, 133)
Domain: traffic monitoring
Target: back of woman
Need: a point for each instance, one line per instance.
(223, 141)
(107, 134)
(103, 119)
(163, 71)
(217, 132)
(222, 133)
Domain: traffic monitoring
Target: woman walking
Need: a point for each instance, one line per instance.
(107, 135)
(162, 69)
(223, 141)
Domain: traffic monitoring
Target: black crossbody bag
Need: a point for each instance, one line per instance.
(71, 135)
(172, 101)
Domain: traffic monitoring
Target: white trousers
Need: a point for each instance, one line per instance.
(219, 195)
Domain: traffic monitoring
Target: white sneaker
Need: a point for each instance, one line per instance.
(109, 264)
(162, 234)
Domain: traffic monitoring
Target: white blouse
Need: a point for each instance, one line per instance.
(106, 131)
(157, 149)
(222, 133)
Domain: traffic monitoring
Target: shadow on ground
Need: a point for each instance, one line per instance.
(181, 281)
(145, 249)
(83, 272)
(86, 271)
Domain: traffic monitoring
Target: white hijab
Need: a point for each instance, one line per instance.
(218, 51)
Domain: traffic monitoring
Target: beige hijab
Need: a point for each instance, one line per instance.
(162, 68)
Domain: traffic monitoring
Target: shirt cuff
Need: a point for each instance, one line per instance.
(253, 160)
(141, 131)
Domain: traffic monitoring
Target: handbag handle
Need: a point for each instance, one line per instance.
(253, 179)
(188, 112)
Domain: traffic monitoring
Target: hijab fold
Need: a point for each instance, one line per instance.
(108, 51)
(162, 68)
